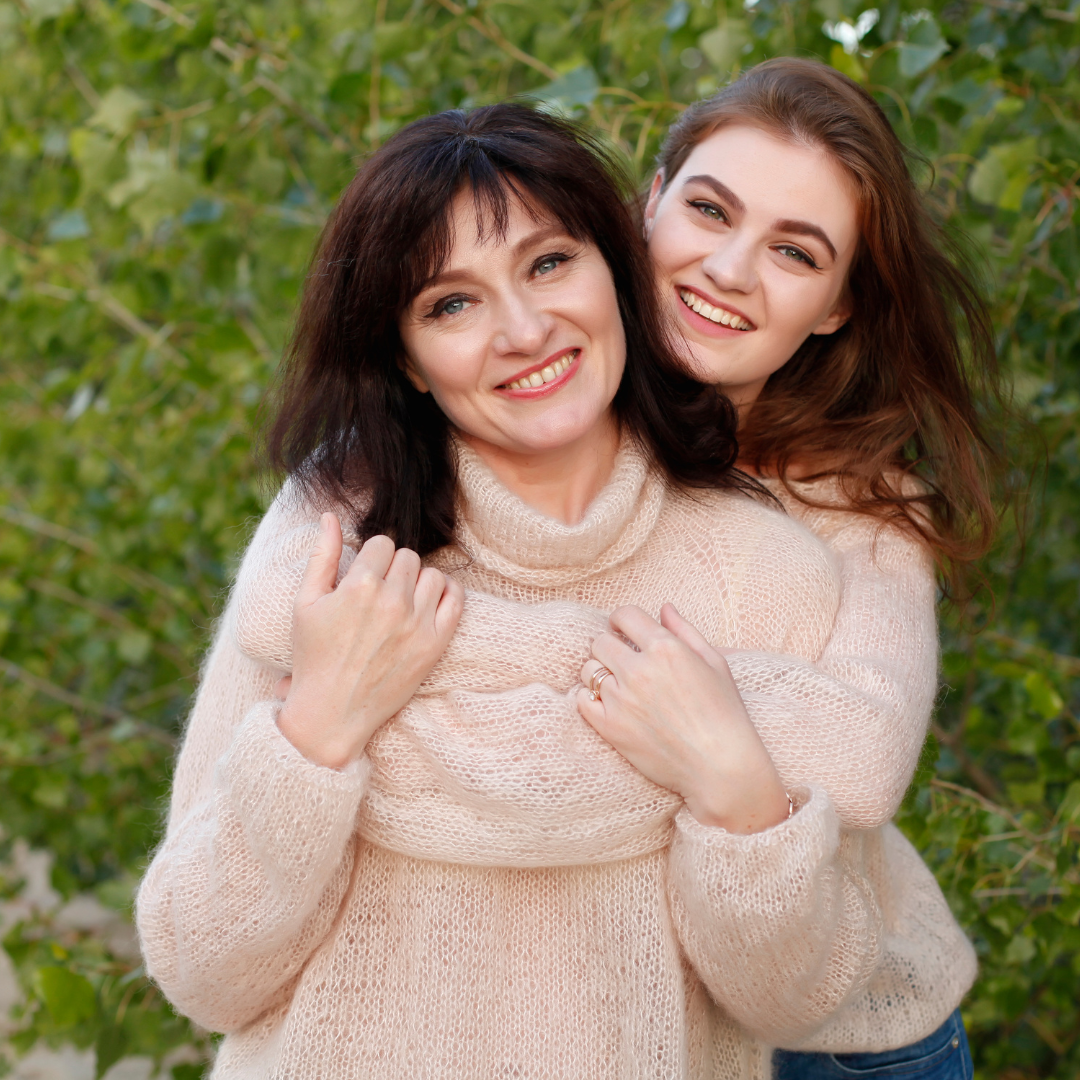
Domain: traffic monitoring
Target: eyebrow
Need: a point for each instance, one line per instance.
(805, 228)
(800, 228)
(721, 189)
(449, 277)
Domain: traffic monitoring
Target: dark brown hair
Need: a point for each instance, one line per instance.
(904, 387)
(350, 427)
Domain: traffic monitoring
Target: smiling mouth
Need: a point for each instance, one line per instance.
(713, 314)
(547, 374)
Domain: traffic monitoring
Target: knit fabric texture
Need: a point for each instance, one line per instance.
(493, 891)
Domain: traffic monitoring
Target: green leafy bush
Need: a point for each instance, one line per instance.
(164, 173)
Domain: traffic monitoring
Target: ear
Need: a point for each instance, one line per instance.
(412, 373)
(653, 201)
(836, 318)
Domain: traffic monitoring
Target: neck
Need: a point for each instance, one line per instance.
(560, 483)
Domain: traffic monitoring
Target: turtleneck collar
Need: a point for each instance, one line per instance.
(503, 534)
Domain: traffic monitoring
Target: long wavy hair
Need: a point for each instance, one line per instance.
(910, 386)
(348, 425)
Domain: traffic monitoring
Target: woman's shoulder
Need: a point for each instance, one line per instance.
(782, 582)
(825, 505)
(272, 569)
(766, 555)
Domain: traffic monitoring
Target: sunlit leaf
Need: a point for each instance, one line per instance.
(69, 996)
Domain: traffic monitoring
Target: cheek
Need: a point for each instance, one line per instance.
(448, 363)
(668, 248)
(599, 316)
(797, 305)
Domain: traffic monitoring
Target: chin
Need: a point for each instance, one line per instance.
(706, 366)
(552, 433)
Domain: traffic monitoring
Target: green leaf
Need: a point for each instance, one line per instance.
(39, 10)
(69, 996)
(724, 46)
(1003, 175)
(577, 87)
(118, 111)
(847, 63)
(1020, 950)
(1044, 699)
(108, 1049)
(924, 47)
(1069, 808)
(134, 646)
(394, 38)
(915, 59)
(96, 157)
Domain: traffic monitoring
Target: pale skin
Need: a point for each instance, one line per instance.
(759, 228)
(536, 301)
(763, 231)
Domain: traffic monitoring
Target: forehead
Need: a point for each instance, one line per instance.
(476, 226)
(783, 178)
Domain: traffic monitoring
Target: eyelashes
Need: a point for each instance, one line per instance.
(712, 212)
(440, 306)
(455, 303)
(708, 210)
(798, 254)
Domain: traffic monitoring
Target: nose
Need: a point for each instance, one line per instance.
(731, 267)
(522, 325)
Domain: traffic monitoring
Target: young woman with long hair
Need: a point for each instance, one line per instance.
(422, 861)
(808, 279)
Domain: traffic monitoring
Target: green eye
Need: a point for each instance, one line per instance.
(796, 254)
(714, 213)
(545, 266)
(452, 307)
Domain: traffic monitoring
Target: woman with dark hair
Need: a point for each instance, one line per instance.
(810, 283)
(422, 861)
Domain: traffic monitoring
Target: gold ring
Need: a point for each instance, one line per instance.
(598, 676)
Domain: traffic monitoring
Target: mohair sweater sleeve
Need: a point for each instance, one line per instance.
(854, 720)
(780, 926)
(257, 856)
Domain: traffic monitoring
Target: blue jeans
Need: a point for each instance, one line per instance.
(941, 1056)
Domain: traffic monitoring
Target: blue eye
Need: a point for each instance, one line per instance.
(450, 305)
(548, 263)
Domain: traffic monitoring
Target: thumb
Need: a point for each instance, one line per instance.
(690, 636)
(320, 574)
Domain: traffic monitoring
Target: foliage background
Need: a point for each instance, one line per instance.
(163, 175)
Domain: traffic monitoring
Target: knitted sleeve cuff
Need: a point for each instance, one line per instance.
(771, 874)
(296, 816)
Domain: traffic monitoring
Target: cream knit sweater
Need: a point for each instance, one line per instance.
(493, 891)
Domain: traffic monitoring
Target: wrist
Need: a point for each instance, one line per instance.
(743, 808)
(305, 724)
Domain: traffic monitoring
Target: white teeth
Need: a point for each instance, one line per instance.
(544, 375)
(716, 315)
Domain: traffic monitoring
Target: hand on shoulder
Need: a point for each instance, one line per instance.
(361, 649)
